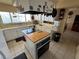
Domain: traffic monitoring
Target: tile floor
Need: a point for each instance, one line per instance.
(65, 49)
(77, 52)
(16, 48)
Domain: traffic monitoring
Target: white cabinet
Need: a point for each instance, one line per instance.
(4, 51)
(13, 33)
(19, 32)
(10, 34)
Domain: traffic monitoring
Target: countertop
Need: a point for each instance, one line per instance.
(16, 27)
(36, 36)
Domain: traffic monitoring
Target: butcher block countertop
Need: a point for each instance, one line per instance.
(36, 36)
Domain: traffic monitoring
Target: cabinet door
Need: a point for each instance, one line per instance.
(10, 34)
(19, 32)
(3, 47)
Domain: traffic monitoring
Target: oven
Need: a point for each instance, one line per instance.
(42, 46)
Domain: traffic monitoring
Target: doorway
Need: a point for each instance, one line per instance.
(75, 26)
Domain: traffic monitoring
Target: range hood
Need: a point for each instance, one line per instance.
(35, 6)
(32, 12)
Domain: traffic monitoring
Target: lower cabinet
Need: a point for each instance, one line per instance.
(19, 32)
(11, 34)
(4, 51)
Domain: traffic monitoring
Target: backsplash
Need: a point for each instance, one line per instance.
(14, 25)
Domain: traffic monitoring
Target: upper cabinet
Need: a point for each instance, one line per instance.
(35, 5)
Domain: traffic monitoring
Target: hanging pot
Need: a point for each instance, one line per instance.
(54, 12)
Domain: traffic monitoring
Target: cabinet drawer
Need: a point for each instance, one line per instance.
(10, 34)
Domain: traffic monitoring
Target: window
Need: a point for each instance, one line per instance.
(39, 17)
(5, 16)
(14, 17)
(50, 18)
(47, 18)
(43, 17)
(36, 17)
(28, 17)
(17, 18)
(21, 17)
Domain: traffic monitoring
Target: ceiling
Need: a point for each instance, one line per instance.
(7, 5)
(67, 3)
(7, 1)
(59, 3)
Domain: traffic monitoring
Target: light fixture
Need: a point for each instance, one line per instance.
(15, 3)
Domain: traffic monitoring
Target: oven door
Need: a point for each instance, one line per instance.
(42, 49)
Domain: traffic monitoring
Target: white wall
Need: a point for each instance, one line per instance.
(70, 20)
(67, 3)
(7, 8)
(63, 22)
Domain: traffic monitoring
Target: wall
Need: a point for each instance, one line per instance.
(6, 1)
(8, 8)
(67, 3)
(62, 23)
(70, 20)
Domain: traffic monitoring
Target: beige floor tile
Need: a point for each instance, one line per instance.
(16, 48)
(65, 49)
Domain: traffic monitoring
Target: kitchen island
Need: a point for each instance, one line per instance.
(37, 43)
